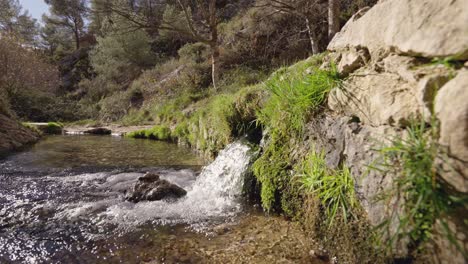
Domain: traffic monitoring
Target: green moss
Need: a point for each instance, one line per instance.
(157, 133)
(271, 169)
(53, 128)
(295, 93)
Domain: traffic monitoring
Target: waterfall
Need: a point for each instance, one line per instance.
(213, 195)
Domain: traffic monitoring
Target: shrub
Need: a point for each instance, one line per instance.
(53, 128)
(194, 52)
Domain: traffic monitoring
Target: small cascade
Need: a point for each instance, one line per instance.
(214, 195)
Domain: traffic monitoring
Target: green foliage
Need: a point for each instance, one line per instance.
(53, 128)
(295, 93)
(419, 190)
(448, 62)
(195, 53)
(120, 56)
(271, 169)
(334, 188)
(157, 133)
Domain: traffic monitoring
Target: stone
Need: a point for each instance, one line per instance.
(149, 177)
(377, 99)
(151, 188)
(427, 28)
(451, 108)
(98, 131)
(352, 60)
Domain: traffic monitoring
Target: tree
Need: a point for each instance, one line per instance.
(196, 19)
(310, 11)
(119, 57)
(333, 18)
(206, 17)
(14, 21)
(56, 40)
(69, 14)
(24, 77)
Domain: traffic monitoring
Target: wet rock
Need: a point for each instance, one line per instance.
(151, 188)
(98, 131)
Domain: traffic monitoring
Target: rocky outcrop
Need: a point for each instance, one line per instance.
(427, 28)
(451, 108)
(386, 54)
(390, 90)
(151, 188)
(13, 135)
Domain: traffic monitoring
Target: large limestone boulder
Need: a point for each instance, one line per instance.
(427, 28)
(451, 107)
(377, 99)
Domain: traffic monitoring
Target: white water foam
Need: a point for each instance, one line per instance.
(214, 194)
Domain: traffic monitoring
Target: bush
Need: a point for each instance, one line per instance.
(53, 128)
(194, 52)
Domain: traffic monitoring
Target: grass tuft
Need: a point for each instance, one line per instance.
(296, 93)
(418, 189)
(334, 188)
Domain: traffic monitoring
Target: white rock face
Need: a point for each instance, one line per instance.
(428, 28)
(451, 107)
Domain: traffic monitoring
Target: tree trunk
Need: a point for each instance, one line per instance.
(313, 39)
(214, 43)
(215, 65)
(77, 37)
(333, 18)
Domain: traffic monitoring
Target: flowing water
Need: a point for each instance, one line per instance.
(61, 201)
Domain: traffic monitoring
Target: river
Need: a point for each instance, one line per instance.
(62, 199)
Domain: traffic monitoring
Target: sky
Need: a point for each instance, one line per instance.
(35, 7)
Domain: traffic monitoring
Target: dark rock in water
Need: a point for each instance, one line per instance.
(149, 177)
(98, 131)
(151, 188)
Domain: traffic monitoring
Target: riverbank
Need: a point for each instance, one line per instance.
(14, 136)
(115, 129)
